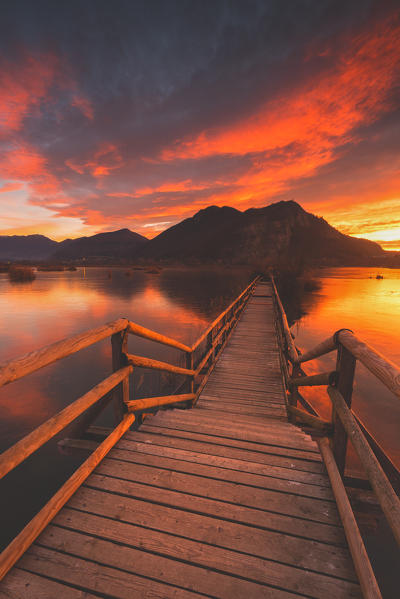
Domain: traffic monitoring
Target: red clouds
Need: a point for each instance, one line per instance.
(84, 106)
(318, 115)
(100, 162)
(104, 160)
(23, 87)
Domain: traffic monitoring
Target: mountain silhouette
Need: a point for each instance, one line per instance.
(278, 232)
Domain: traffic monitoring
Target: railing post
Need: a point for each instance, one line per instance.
(345, 367)
(119, 345)
(190, 366)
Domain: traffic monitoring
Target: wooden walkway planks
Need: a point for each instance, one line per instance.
(226, 500)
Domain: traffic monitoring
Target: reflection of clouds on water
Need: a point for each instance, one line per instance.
(61, 304)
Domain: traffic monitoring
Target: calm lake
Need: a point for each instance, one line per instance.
(180, 304)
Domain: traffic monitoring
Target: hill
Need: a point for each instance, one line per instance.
(26, 247)
(273, 233)
(116, 244)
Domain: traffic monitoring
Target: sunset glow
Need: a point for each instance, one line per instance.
(104, 134)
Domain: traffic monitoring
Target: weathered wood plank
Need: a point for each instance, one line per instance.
(317, 510)
(20, 584)
(224, 447)
(189, 558)
(266, 520)
(262, 481)
(217, 532)
(309, 460)
(95, 577)
(189, 453)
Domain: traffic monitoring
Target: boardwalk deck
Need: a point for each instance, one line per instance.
(225, 500)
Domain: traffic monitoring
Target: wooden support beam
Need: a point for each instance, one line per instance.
(291, 348)
(139, 331)
(157, 365)
(314, 380)
(151, 402)
(46, 431)
(365, 573)
(189, 366)
(15, 369)
(319, 350)
(32, 530)
(78, 447)
(119, 345)
(345, 366)
(309, 419)
(388, 499)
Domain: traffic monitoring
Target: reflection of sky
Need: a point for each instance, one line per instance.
(59, 304)
(355, 299)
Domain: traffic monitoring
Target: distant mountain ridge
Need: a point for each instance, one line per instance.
(115, 244)
(26, 247)
(215, 234)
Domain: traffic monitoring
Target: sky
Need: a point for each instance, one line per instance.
(139, 113)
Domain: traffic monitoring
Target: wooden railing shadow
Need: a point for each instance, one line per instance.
(79, 415)
(333, 436)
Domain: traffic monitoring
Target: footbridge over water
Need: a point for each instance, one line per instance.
(230, 488)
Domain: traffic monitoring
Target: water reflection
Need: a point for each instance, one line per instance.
(353, 298)
(178, 303)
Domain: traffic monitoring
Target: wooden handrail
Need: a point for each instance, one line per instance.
(16, 454)
(139, 331)
(314, 380)
(321, 349)
(219, 318)
(33, 529)
(123, 363)
(343, 340)
(388, 499)
(385, 370)
(16, 369)
(292, 351)
(146, 403)
(365, 573)
(157, 365)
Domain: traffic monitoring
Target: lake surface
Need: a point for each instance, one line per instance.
(353, 298)
(180, 304)
(177, 303)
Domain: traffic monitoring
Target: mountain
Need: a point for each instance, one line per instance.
(26, 247)
(116, 244)
(257, 237)
(274, 233)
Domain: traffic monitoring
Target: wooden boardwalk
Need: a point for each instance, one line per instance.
(225, 500)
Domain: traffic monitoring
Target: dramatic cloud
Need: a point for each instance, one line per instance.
(142, 113)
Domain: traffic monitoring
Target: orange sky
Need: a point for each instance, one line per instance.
(309, 118)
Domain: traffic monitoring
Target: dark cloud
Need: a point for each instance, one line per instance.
(127, 81)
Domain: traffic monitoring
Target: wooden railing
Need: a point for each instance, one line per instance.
(333, 436)
(200, 360)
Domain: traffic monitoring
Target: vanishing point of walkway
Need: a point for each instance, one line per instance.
(225, 500)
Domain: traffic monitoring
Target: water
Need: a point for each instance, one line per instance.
(353, 298)
(177, 302)
(180, 304)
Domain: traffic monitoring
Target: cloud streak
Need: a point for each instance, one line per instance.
(163, 112)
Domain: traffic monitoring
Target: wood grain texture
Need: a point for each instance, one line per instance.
(369, 585)
(15, 369)
(227, 499)
(381, 367)
(26, 446)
